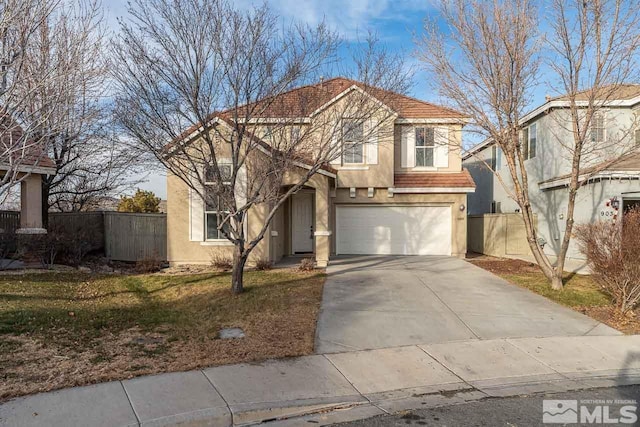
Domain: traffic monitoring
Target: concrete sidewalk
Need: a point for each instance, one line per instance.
(324, 389)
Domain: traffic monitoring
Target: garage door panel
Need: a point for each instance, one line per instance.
(393, 230)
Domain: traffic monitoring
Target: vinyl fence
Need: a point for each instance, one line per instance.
(120, 236)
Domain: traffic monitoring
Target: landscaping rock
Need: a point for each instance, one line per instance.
(230, 333)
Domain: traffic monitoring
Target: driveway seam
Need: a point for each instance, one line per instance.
(446, 305)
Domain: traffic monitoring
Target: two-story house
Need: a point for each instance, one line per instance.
(402, 191)
(610, 169)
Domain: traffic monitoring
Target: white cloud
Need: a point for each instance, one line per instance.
(348, 17)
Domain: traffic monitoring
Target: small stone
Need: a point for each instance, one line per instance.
(84, 269)
(230, 333)
(72, 314)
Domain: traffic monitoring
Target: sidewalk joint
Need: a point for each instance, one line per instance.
(219, 394)
(135, 414)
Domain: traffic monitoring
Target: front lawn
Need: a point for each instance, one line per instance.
(66, 329)
(580, 292)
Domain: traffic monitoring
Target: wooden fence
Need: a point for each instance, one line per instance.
(499, 235)
(134, 236)
(120, 236)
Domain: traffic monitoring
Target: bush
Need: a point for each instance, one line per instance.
(263, 264)
(613, 253)
(149, 264)
(221, 261)
(307, 264)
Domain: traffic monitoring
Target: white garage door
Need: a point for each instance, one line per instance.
(393, 230)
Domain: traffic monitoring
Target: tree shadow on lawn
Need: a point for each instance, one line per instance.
(60, 344)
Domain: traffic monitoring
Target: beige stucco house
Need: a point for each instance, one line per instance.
(402, 191)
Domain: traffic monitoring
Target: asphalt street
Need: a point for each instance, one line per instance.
(521, 411)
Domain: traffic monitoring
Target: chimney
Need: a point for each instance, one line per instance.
(321, 80)
(547, 98)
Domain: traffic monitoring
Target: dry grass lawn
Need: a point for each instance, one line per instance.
(580, 292)
(66, 329)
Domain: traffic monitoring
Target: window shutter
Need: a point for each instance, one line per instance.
(442, 147)
(196, 216)
(372, 142)
(408, 147)
(335, 141)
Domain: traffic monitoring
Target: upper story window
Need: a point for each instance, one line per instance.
(295, 134)
(215, 211)
(352, 141)
(597, 131)
(529, 141)
(425, 145)
(267, 133)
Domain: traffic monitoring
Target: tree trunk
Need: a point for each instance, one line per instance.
(239, 261)
(556, 282)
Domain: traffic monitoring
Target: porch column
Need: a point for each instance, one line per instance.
(322, 232)
(31, 205)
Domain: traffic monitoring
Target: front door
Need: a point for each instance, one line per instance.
(302, 222)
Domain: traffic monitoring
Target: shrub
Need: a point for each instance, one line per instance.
(149, 264)
(221, 261)
(264, 264)
(613, 253)
(307, 264)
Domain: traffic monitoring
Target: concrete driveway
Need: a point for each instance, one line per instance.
(377, 302)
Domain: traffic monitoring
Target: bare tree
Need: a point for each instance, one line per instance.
(71, 111)
(594, 48)
(216, 71)
(20, 21)
(487, 66)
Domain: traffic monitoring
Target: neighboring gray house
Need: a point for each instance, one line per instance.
(610, 169)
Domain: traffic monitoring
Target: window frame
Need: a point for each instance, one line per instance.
(350, 147)
(527, 135)
(207, 211)
(425, 147)
(599, 116)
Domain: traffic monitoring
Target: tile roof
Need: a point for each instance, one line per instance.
(304, 100)
(611, 92)
(430, 179)
(626, 163)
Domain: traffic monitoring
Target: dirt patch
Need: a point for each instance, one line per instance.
(60, 330)
(628, 324)
(504, 265)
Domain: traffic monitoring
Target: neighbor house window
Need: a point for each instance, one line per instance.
(597, 128)
(215, 211)
(352, 138)
(425, 144)
(529, 141)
